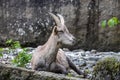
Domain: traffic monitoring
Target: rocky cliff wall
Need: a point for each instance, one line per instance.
(28, 21)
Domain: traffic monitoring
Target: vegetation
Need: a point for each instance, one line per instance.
(114, 21)
(1, 50)
(13, 44)
(109, 67)
(22, 57)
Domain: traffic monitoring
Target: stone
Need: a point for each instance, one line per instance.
(85, 63)
(93, 51)
(87, 52)
(83, 54)
(65, 49)
(82, 63)
(92, 58)
(17, 73)
(29, 22)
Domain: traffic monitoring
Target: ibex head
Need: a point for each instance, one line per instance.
(60, 30)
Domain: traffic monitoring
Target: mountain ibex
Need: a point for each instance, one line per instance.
(49, 57)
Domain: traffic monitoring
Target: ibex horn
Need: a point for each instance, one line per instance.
(61, 19)
(55, 18)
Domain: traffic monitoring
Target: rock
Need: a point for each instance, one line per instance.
(82, 53)
(66, 49)
(82, 63)
(87, 52)
(29, 22)
(85, 62)
(91, 62)
(93, 51)
(16, 73)
(92, 58)
(5, 56)
(78, 50)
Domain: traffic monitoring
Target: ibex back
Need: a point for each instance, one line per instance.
(49, 57)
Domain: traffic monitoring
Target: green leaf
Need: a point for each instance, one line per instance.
(111, 22)
(13, 44)
(1, 49)
(69, 75)
(9, 41)
(1, 55)
(16, 44)
(103, 23)
(116, 21)
(22, 58)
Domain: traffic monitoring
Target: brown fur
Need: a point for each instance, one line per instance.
(50, 57)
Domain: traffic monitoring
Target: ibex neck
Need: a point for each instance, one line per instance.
(52, 47)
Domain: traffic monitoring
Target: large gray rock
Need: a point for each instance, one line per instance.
(29, 22)
(16, 73)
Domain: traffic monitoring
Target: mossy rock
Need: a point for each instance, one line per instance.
(107, 69)
(8, 72)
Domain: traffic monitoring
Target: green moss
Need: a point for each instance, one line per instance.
(87, 71)
(69, 75)
(109, 66)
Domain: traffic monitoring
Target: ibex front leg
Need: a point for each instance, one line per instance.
(58, 68)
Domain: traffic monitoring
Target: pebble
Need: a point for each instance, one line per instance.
(85, 60)
(82, 63)
(87, 52)
(83, 54)
(93, 51)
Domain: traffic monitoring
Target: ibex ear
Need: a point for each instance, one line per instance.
(55, 30)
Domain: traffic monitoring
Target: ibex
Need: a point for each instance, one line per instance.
(49, 57)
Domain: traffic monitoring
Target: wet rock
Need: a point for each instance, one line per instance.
(94, 58)
(91, 62)
(87, 52)
(93, 51)
(82, 63)
(85, 62)
(82, 53)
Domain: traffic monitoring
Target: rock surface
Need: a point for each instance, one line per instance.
(85, 60)
(28, 21)
(15, 73)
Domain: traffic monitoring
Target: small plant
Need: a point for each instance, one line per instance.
(23, 57)
(114, 21)
(1, 55)
(69, 75)
(109, 67)
(1, 50)
(13, 44)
